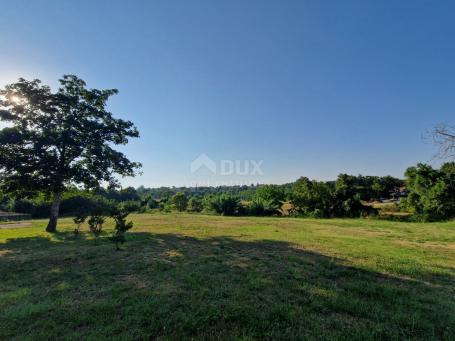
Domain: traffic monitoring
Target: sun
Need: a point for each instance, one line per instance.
(15, 99)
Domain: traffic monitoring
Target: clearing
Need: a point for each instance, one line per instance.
(196, 276)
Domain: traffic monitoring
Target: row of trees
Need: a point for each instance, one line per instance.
(266, 201)
(431, 197)
(340, 198)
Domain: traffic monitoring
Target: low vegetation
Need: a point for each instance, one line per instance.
(426, 194)
(198, 276)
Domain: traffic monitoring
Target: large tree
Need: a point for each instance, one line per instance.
(57, 139)
(431, 191)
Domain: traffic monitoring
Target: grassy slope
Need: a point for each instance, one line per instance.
(206, 277)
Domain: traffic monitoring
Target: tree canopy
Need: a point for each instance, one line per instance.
(431, 191)
(58, 139)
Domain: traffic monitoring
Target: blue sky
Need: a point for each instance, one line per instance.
(311, 88)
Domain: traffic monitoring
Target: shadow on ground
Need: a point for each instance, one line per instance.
(173, 286)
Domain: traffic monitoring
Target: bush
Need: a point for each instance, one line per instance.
(79, 220)
(95, 224)
(180, 201)
(224, 204)
(121, 225)
(309, 197)
(325, 199)
(152, 203)
(131, 205)
(195, 205)
(262, 207)
(74, 203)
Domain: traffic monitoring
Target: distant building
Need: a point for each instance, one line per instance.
(398, 192)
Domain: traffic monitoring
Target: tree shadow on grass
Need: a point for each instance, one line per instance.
(175, 286)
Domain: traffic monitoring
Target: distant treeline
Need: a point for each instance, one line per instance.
(426, 192)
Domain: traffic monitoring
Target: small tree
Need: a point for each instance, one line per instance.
(79, 219)
(101, 208)
(95, 224)
(121, 225)
(180, 201)
(60, 139)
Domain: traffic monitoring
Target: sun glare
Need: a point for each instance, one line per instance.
(15, 99)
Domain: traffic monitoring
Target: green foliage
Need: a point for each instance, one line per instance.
(166, 207)
(121, 225)
(448, 168)
(263, 207)
(152, 203)
(79, 220)
(180, 201)
(224, 204)
(95, 224)
(431, 192)
(100, 209)
(195, 204)
(60, 139)
(273, 193)
(312, 198)
(327, 199)
(267, 200)
(131, 205)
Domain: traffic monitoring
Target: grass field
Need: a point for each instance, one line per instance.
(193, 276)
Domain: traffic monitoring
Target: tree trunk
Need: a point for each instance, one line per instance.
(52, 225)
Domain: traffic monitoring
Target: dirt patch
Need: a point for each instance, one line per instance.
(15, 225)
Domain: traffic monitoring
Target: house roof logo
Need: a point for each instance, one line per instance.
(203, 161)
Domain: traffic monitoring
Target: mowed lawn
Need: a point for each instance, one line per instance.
(183, 276)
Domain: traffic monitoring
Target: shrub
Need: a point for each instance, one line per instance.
(224, 204)
(121, 225)
(195, 204)
(74, 203)
(326, 199)
(152, 203)
(79, 220)
(180, 201)
(262, 207)
(131, 205)
(95, 224)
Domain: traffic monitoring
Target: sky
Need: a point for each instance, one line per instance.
(266, 91)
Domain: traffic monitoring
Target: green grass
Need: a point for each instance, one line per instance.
(184, 276)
